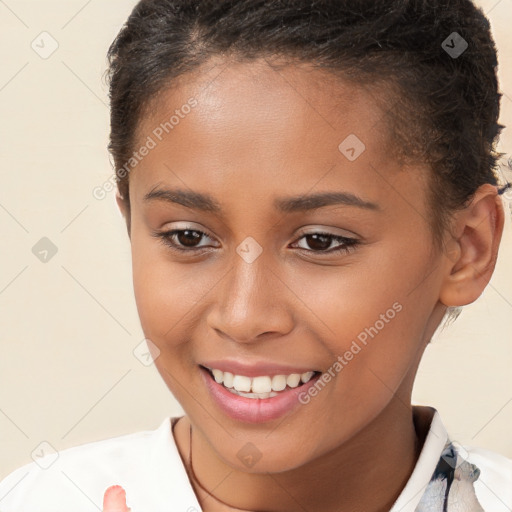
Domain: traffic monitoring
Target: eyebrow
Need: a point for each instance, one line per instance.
(301, 203)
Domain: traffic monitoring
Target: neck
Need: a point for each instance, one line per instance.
(381, 457)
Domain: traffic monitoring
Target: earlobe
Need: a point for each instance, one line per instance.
(471, 256)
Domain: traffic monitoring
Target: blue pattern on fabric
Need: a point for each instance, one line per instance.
(451, 488)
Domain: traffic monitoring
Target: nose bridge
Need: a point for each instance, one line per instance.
(248, 303)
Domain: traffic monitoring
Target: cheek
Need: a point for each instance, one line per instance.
(374, 318)
(167, 294)
(376, 359)
(375, 345)
(370, 329)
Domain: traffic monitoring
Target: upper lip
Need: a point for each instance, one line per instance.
(256, 369)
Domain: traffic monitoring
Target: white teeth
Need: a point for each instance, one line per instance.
(293, 380)
(278, 382)
(227, 379)
(241, 383)
(253, 395)
(218, 375)
(306, 377)
(259, 387)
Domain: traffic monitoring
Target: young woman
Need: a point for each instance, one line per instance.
(309, 189)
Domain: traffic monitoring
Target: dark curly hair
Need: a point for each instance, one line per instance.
(441, 108)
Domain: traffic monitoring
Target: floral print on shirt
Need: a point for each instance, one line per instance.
(451, 488)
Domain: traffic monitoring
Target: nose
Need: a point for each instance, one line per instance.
(252, 302)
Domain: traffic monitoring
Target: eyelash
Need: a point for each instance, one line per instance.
(349, 244)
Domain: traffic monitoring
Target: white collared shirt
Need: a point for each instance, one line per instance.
(148, 465)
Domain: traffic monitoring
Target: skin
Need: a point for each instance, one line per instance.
(257, 134)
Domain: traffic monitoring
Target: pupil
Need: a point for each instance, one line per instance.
(186, 242)
(316, 238)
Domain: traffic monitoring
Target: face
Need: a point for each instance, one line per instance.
(270, 282)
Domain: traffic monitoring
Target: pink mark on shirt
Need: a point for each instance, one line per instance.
(114, 500)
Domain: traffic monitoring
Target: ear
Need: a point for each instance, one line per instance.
(474, 249)
(120, 203)
(124, 209)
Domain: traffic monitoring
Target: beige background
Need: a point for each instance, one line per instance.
(68, 327)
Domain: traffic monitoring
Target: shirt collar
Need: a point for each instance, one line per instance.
(431, 451)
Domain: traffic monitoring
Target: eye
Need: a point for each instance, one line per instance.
(182, 240)
(321, 243)
(185, 240)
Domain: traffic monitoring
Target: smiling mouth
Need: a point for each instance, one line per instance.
(264, 386)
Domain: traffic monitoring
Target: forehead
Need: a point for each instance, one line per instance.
(256, 128)
(260, 93)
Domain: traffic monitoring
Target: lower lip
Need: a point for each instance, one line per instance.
(254, 410)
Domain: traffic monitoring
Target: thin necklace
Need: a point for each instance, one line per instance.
(192, 474)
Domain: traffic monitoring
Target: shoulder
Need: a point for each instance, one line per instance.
(76, 478)
(493, 486)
